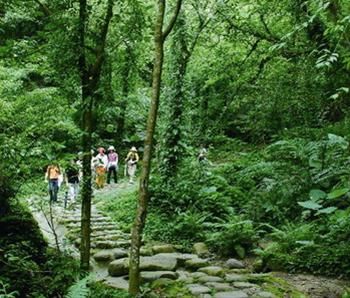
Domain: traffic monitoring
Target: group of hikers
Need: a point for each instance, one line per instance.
(102, 165)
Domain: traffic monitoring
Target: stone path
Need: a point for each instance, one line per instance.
(202, 275)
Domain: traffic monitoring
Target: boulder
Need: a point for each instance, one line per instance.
(119, 267)
(103, 256)
(234, 264)
(201, 249)
(212, 270)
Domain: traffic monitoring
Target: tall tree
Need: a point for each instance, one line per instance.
(90, 73)
(160, 36)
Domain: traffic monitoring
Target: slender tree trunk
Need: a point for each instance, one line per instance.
(140, 219)
(90, 77)
(171, 149)
(86, 143)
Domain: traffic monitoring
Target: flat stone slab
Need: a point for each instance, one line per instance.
(165, 248)
(231, 277)
(231, 294)
(243, 285)
(196, 263)
(198, 274)
(196, 289)
(209, 278)
(220, 287)
(148, 276)
(158, 262)
(212, 270)
(154, 263)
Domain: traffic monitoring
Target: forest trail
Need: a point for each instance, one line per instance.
(199, 272)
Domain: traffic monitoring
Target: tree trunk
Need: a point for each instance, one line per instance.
(140, 219)
(171, 148)
(90, 77)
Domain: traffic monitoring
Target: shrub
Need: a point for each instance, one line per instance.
(234, 237)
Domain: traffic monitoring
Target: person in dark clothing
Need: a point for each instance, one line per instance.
(112, 165)
(72, 180)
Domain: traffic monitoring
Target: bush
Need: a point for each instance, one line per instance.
(234, 237)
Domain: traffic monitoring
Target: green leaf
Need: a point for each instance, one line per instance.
(310, 205)
(327, 210)
(337, 193)
(317, 194)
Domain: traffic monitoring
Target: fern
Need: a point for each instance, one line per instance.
(79, 289)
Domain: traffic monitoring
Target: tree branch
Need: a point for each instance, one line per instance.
(173, 20)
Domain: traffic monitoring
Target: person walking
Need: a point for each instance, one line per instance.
(72, 180)
(52, 176)
(100, 162)
(131, 160)
(112, 166)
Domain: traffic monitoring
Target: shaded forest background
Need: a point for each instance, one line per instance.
(264, 85)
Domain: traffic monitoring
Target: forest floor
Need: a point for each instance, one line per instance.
(309, 285)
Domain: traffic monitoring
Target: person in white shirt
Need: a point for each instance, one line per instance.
(100, 163)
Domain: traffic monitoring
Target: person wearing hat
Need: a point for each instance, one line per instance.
(100, 162)
(131, 160)
(112, 166)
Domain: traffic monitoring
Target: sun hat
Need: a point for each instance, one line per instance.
(133, 148)
(111, 148)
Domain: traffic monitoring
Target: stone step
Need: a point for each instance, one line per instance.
(93, 223)
(78, 219)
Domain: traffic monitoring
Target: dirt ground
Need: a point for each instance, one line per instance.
(316, 286)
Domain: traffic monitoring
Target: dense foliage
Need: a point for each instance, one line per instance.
(263, 85)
